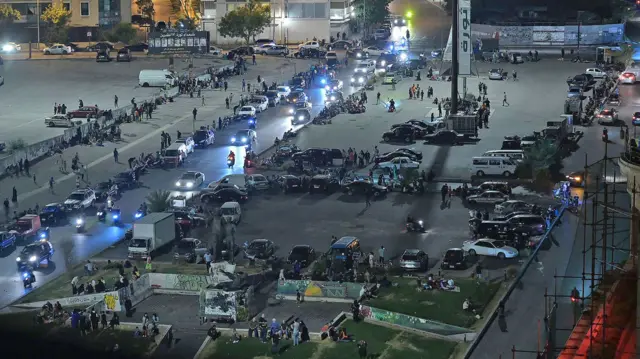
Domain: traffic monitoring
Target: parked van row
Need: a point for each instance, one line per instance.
(497, 163)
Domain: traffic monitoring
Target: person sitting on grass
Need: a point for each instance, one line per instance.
(213, 332)
(235, 337)
(343, 336)
(468, 306)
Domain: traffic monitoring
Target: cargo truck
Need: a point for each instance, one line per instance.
(463, 124)
(151, 233)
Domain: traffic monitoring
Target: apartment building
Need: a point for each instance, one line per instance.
(293, 21)
(85, 15)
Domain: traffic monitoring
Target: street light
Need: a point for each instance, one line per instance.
(285, 28)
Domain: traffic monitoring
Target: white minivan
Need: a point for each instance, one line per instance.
(517, 155)
(494, 166)
(157, 78)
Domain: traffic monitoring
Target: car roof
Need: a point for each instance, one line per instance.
(302, 246)
(344, 242)
(52, 204)
(230, 204)
(411, 251)
(260, 240)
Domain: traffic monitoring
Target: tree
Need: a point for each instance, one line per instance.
(158, 201)
(57, 18)
(145, 7)
(8, 14)
(370, 12)
(245, 22)
(123, 32)
(188, 10)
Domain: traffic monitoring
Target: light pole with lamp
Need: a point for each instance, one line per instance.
(285, 30)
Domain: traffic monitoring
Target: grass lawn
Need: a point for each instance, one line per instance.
(60, 287)
(250, 348)
(24, 324)
(381, 341)
(445, 307)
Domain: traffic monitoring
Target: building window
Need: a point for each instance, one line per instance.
(84, 9)
(31, 9)
(66, 6)
(307, 11)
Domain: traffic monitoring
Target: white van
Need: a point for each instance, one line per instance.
(157, 78)
(231, 212)
(517, 155)
(496, 166)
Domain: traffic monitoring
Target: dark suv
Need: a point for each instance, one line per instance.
(361, 187)
(323, 184)
(189, 249)
(318, 156)
(297, 96)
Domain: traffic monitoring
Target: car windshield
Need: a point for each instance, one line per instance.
(23, 225)
(409, 257)
(229, 211)
(258, 245)
(138, 243)
(103, 185)
(49, 209)
(247, 108)
(242, 134)
(30, 249)
(76, 196)
(188, 176)
(300, 250)
(271, 93)
(171, 153)
(200, 135)
(495, 71)
(282, 89)
(606, 113)
(186, 245)
(363, 66)
(453, 254)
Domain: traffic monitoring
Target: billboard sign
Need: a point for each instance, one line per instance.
(178, 42)
(465, 48)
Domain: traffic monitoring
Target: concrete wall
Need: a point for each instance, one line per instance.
(410, 322)
(111, 301)
(317, 289)
(550, 35)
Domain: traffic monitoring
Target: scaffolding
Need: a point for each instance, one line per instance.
(604, 260)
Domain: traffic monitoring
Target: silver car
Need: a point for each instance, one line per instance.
(414, 259)
(274, 50)
(491, 197)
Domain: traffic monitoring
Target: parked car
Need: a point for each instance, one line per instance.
(489, 247)
(454, 258)
(86, 112)
(303, 254)
(259, 249)
(57, 49)
(103, 56)
(399, 162)
(491, 197)
(139, 47)
(189, 249)
(414, 259)
(59, 120)
(124, 54)
(362, 187)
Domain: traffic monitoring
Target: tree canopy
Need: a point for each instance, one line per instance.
(371, 11)
(146, 8)
(8, 14)
(56, 14)
(245, 22)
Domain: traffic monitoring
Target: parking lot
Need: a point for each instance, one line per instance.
(31, 88)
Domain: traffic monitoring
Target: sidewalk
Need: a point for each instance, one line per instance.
(136, 138)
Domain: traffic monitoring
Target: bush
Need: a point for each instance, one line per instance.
(122, 33)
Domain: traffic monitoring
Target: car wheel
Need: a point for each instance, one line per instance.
(407, 140)
(479, 173)
(350, 192)
(376, 194)
(472, 252)
(501, 256)
(506, 174)
(386, 138)
(47, 52)
(64, 52)
(366, 54)
(50, 124)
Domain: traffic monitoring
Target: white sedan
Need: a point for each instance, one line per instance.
(283, 91)
(190, 180)
(260, 103)
(607, 117)
(491, 197)
(512, 205)
(399, 162)
(57, 49)
(247, 110)
(373, 51)
(10, 47)
(215, 51)
(59, 120)
(495, 74)
(627, 78)
(489, 247)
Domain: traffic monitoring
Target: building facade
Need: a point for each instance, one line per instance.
(85, 15)
(293, 21)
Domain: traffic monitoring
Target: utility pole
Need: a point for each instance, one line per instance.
(364, 18)
(454, 57)
(38, 21)
(579, 28)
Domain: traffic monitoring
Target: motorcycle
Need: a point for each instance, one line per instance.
(230, 162)
(102, 215)
(415, 226)
(115, 217)
(80, 225)
(141, 212)
(28, 278)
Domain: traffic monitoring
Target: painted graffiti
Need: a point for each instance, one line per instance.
(410, 321)
(550, 35)
(112, 302)
(187, 282)
(218, 303)
(311, 288)
(69, 301)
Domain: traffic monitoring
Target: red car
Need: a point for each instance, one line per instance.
(86, 112)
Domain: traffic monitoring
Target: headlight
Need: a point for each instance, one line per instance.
(361, 80)
(333, 98)
(403, 56)
(32, 259)
(233, 139)
(353, 80)
(190, 184)
(291, 111)
(420, 222)
(355, 70)
(79, 221)
(327, 87)
(244, 139)
(359, 55)
(300, 118)
(7, 48)
(178, 184)
(395, 21)
(99, 213)
(323, 81)
(115, 216)
(18, 259)
(383, 62)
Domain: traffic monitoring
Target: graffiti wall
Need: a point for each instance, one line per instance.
(218, 303)
(410, 321)
(550, 35)
(319, 289)
(137, 291)
(111, 301)
(222, 272)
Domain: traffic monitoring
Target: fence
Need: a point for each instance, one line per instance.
(568, 35)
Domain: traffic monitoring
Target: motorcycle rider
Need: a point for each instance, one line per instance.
(143, 208)
(231, 159)
(110, 203)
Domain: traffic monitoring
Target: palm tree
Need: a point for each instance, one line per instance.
(158, 201)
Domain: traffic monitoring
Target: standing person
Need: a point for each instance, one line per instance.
(381, 255)
(115, 155)
(368, 198)
(103, 315)
(203, 100)
(296, 332)
(444, 190)
(362, 349)
(479, 269)
(504, 100)
(14, 196)
(244, 85)
(51, 183)
(378, 98)
(195, 113)
(115, 101)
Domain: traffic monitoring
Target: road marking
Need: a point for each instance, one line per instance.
(109, 156)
